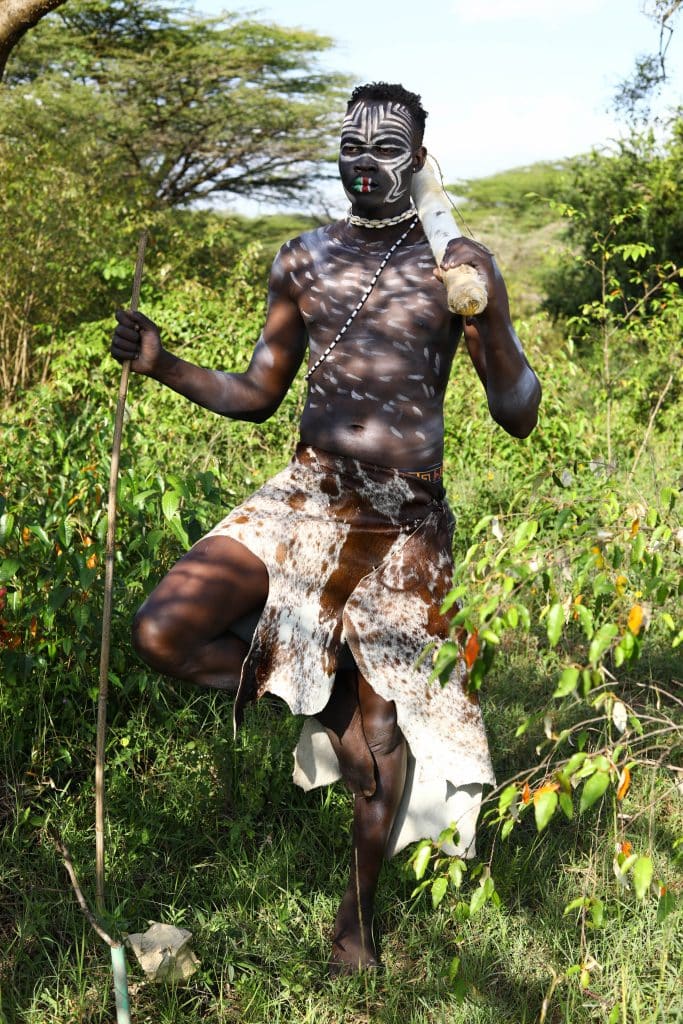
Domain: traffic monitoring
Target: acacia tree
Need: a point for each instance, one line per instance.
(192, 106)
(115, 113)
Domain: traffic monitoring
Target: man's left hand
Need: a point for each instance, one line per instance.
(461, 251)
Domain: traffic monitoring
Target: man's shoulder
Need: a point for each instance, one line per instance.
(310, 240)
(305, 251)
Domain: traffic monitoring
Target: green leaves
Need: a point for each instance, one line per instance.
(6, 526)
(170, 502)
(642, 876)
(449, 871)
(634, 251)
(456, 872)
(8, 568)
(421, 859)
(555, 623)
(524, 534)
(439, 888)
(587, 904)
(485, 892)
(640, 868)
(545, 805)
(601, 642)
(593, 788)
(567, 682)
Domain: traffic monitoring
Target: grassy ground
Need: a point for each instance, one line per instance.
(212, 836)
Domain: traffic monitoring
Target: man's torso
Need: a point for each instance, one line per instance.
(378, 395)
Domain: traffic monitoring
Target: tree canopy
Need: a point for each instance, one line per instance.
(635, 94)
(188, 106)
(119, 113)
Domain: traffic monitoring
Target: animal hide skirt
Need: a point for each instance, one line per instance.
(360, 555)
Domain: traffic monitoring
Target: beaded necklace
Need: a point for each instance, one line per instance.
(387, 222)
(363, 299)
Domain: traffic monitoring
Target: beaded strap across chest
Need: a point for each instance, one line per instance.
(363, 299)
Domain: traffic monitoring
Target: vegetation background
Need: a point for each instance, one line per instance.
(568, 549)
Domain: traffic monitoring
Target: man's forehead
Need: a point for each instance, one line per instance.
(371, 116)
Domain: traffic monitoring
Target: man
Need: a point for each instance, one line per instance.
(349, 548)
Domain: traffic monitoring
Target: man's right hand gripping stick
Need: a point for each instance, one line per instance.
(464, 285)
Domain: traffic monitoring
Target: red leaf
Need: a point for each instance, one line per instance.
(472, 648)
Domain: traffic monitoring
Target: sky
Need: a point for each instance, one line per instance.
(505, 82)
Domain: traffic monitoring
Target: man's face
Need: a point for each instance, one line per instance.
(378, 146)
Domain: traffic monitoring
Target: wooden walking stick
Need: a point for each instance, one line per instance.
(108, 589)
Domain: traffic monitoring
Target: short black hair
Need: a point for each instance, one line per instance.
(392, 92)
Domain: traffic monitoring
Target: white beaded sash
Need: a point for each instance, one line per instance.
(363, 299)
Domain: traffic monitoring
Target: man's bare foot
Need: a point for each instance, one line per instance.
(353, 948)
(347, 960)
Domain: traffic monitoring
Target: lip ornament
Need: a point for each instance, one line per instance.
(362, 184)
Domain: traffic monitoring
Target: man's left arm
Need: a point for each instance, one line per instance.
(512, 388)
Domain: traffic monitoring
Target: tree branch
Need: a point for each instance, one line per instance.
(16, 18)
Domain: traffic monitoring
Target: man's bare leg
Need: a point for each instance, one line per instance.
(183, 628)
(353, 947)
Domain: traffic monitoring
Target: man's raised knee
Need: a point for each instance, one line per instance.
(153, 641)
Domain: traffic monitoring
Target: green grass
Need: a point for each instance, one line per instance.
(212, 836)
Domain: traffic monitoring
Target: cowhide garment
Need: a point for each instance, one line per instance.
(361, 555)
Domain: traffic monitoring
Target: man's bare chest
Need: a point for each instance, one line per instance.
(404, 300)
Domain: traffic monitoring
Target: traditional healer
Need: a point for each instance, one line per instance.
(344, 558)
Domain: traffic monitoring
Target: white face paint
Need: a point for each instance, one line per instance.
(377, 145)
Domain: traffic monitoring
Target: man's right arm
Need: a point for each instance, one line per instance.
(252, 395)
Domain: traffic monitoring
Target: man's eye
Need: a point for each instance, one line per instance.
(388, 150)
(349, 150)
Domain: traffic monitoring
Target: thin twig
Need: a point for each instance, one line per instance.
(548, 996)
(650, 424)
(92, 920)
(541, 769)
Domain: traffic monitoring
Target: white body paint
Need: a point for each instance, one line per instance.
(368, 126)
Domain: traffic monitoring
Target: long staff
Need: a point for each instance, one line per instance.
(108, 590)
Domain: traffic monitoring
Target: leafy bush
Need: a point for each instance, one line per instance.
(626, 199)
(53, 506)
(575, 569)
